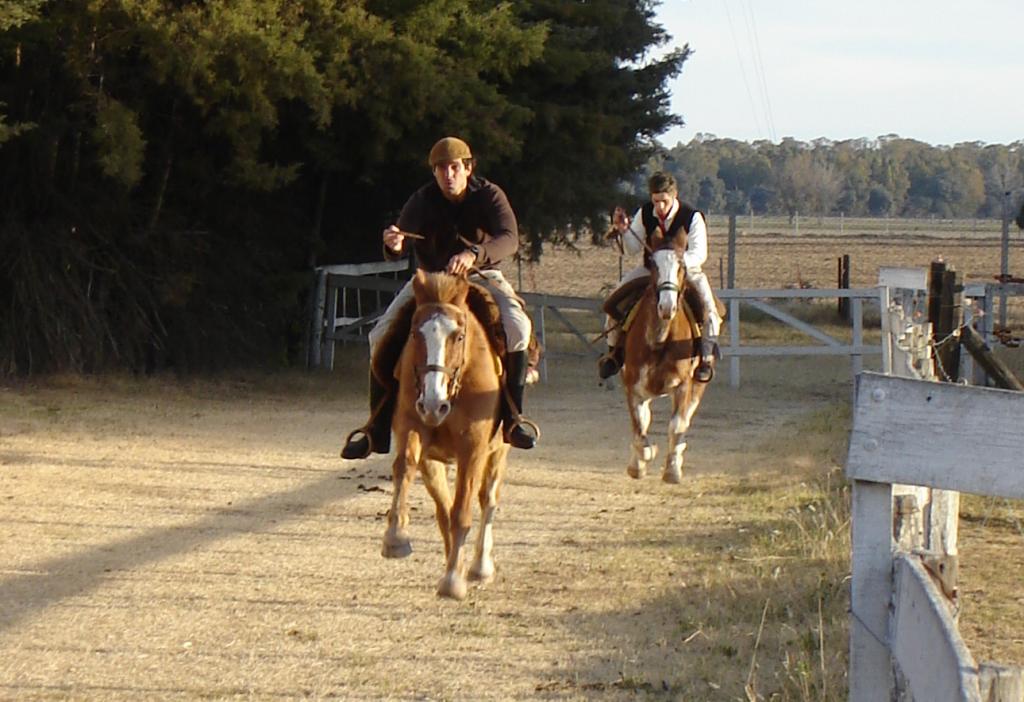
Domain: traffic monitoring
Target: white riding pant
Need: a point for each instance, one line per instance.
(515, 320)
(694, 277)
(697, 279)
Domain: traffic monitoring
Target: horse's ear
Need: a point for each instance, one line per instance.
(419, 282)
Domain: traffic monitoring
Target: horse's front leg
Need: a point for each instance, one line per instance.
(396, 536)
(471, 465)
(483, 562)
(685, 399)
(643, 451)
(435, 479)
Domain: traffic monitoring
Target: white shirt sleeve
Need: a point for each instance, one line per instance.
(696, 243)
(633, 237)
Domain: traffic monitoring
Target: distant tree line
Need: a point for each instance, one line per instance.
(888, 176)
(171, 171)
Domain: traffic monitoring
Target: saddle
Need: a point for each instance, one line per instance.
(621, 306)
(384, 364)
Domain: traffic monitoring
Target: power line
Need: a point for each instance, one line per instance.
(743, 70)
(759, 68)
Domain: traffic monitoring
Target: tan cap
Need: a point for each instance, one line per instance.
(448, 149)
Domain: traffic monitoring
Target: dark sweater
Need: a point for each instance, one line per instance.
(483, 217)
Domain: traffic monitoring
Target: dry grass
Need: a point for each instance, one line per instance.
(196, 540)
(201, 540)
(992, 607)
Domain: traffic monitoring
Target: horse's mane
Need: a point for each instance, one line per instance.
(441, 287)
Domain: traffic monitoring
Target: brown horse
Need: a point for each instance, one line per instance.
(661, 355)
(448, 411)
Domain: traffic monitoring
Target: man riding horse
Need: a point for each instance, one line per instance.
(662, 219)
(461, 224)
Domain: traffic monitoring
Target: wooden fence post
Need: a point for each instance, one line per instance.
(539, 330)
(996, 369)
(858, 333)
(900, 434)
(1000, 683)
(731, 279)
(734, 342)
(317, 297)
(871, 671)
(943, 314)
(843, 283)
(332, 316)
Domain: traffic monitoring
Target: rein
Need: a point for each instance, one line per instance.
(454, 374)
(618, 237)
(668, 286)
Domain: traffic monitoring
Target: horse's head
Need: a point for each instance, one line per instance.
(668, 276)
(439, 342)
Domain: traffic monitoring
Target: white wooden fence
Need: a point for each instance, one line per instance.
(904, 642)
(980, 300)
(328, 327)
(828, 346)
(902, 637)
(329, 304)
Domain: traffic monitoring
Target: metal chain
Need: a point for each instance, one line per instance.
(936, 345)
(953, 334)
(938, 363)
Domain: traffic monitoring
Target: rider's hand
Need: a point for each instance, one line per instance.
(393, 238)
(620, 220)
(460, 263)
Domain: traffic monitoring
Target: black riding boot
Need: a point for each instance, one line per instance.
(376, 436)
(705, 371)
(515, 380)
(609, 364)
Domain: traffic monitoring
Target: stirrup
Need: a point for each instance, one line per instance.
(704, 368)
(349, 442)
(518, 423)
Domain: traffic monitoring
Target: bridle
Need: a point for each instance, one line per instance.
(657, 333)
(454, 374)
(670, 285)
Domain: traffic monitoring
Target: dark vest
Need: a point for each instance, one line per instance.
(680, 221)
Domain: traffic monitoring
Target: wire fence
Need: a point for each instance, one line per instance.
(813, 225)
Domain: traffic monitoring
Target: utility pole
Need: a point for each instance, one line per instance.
(1004, 258)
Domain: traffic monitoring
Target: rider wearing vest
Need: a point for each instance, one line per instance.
(666, 217)
(463, 225)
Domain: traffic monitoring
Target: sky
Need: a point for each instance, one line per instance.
(938, 71)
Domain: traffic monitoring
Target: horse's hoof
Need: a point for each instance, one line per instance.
(635, 472)
(399, 548)
(452, 586)
(672, 477)
(482, 575)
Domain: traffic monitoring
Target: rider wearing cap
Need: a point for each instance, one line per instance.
(664, 218)
(467, 227)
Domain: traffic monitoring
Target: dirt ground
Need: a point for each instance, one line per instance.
(163, 539)
(201, 539)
